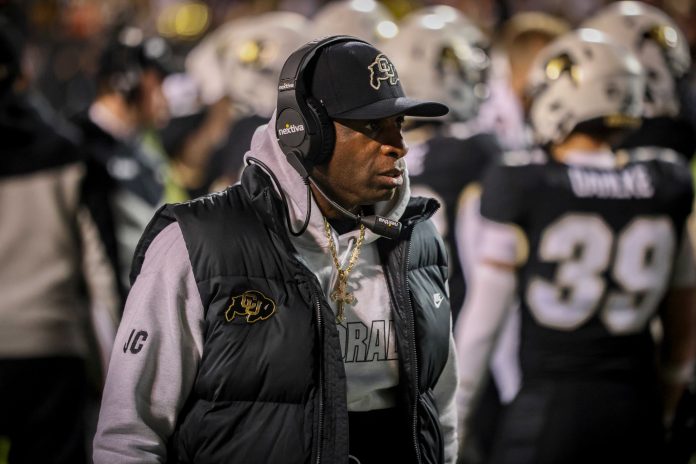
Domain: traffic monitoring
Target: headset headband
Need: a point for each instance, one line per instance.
(304, 130)
(292, 74)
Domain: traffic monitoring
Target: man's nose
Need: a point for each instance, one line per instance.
(400, 151)
(394, 144)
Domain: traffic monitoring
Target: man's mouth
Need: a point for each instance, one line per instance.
(396, 176)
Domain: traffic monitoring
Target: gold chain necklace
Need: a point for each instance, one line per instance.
(340, 293)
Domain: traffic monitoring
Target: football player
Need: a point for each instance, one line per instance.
(592, 244)
(241, 61)
(438, 59)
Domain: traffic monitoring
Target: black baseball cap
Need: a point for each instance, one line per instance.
(354, 80)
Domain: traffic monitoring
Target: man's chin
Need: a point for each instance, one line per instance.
(384, 195)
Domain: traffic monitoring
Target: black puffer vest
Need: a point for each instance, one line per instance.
(271, 385)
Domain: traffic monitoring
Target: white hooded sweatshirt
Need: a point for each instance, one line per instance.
(145, 391)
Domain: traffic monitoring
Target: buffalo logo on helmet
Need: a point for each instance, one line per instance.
(382, 70)
(560, 65)
(252, 305)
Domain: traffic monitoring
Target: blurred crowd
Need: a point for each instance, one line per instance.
(110, 109)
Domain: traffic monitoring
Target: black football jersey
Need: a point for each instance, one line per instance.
(443, 168)
(601, 250)
(675, 134)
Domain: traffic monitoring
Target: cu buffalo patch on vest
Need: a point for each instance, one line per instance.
(252, 305)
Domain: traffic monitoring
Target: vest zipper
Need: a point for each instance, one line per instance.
(416, 394)
(320, 324)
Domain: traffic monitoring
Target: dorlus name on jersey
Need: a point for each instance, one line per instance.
(632, 182)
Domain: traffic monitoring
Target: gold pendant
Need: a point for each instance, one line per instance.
(341, 296)
(340, 293)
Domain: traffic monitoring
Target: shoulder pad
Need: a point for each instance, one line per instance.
(643, 154)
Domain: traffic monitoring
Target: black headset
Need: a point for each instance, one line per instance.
(304, 130)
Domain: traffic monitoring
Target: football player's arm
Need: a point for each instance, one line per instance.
(489, 300)
(468, 219)
(678, 316)
(155, 358)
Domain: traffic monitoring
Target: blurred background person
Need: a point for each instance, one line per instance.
(437, 61)
(606, 254)
(120, 140)
(55, 270)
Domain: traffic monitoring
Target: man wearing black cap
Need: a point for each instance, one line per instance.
(125, 158)
(274, 322)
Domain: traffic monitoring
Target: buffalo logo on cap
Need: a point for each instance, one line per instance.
(382, 70)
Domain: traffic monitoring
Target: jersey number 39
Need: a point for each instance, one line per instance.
(638, 259)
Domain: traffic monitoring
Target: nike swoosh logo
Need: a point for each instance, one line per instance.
(437, 299)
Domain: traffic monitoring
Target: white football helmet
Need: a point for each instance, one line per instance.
(365, 19)
(659, 45)
(436, 59)
(245, 56)
(583, 76)
(474, 35)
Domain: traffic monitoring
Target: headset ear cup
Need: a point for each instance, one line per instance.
(326, 136)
